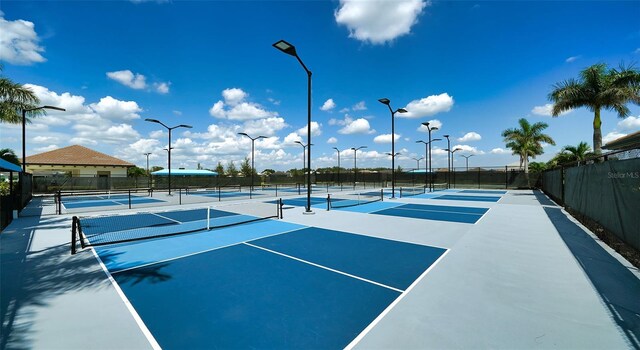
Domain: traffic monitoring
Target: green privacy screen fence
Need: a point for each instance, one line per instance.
(607, 193)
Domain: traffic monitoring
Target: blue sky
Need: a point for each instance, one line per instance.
(472, 67)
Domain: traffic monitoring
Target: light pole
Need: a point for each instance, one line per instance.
(430, 163)
(336, 148)
(291, 50)
(387, 102)
(304, 148)
(448, 161)
(418, 160)
(253, 139)
(427, 150)
(148, 173)
(451, 168)
(355, 166)
(467, 159)
(169, 148)
(24, 132)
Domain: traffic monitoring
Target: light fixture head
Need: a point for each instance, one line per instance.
(401, 110)
(152, 120)
(285, 47)
(385, 101)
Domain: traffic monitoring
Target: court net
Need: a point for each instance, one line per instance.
(412, 191)
(105, 230)
(342, 200)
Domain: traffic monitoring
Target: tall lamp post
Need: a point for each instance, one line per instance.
(467, 159)
(304, 149)
(418, 160)
(148, 173)
(355, 164)
(387, 102)
(169, 148)
(448, 161)
(427, 150)
(253, 140)
(451, 169)
(24, 130)
(291, 50)
(336, 148)
(430, 163)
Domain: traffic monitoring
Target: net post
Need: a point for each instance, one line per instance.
(59, 202)
(280, 208)
(400, 192)
(208, 218)
(129, 199)
(276, 190)
(79, 232)
(381, 195)
(219, 194)
(328, 201)
(299, 192)
(74, 221)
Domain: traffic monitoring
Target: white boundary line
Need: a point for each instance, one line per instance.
(362, 334)
(441, 211)
(482, 217)
(170, 219)
(325, 267)
(204, 251)
(152, 341)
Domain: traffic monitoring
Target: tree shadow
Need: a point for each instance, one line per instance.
(618, 287)
(32, 278)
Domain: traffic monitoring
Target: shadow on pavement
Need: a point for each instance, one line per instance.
(618, 287)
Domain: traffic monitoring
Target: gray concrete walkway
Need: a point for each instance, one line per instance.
(525, 276)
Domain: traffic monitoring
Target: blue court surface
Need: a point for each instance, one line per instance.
(455, 197)
(224, 194)
(268, 284)
(483, 191)
(92, 201)
(469, 215)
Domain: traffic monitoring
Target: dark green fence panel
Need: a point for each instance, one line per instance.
(552, 184)
(608, 193)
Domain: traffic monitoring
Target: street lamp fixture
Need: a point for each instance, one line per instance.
(169, 147)
(24, 130)
(448, 161)
(336, 148)
(387, 102)
(253, 139)
(430, 128)
(467, 159)
(355, 164)
(289, 49)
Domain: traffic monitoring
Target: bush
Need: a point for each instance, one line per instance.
(4, 188)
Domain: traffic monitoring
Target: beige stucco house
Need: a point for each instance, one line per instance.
(77, 161)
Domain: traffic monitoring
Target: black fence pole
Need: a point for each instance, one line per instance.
(129, 199)
(74, 223)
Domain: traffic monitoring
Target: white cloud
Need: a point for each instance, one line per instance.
(128, 78)
(114, 109)
(45, 139)
(315, 129)
(428, 106)
(233, 96)
(500, 151)
(546, 110)
(156, 134)
(614, 135)
(266, 127)
(467, 149)
(385, 138)
(629, 124)
(358, 126)
(332, 140)
(72, 103)
(19, 42)
(328, 105)
(470, 136)
(572, 59)
(379, 21)
(162, 88)
(433, 123)
(360, 106)
(46, 148)
(239, 108)
(292, 138)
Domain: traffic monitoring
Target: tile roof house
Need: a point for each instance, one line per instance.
(77, 161)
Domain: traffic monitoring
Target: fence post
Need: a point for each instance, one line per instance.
(562, 184)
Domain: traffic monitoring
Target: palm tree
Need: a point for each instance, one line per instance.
(572, 154)
(596, 89)
(527, 140)
(13, 99)
(9, 155)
